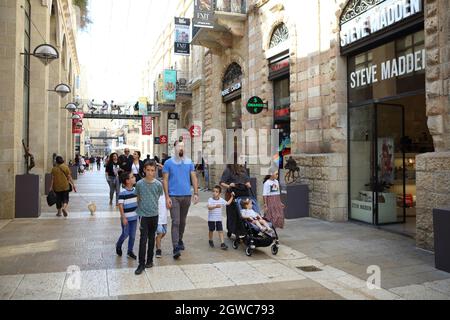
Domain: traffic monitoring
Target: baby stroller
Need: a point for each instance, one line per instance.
(246, 232)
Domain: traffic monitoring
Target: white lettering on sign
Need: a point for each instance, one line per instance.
(232, 89)
(378, 18)
(403, 65)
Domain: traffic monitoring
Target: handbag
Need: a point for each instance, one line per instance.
(51, 198)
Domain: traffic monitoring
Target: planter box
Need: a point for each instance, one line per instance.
(441, 221)
(28, 200)
(296, 199)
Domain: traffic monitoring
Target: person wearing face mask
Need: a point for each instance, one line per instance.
(178, 173)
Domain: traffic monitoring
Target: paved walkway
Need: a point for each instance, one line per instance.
(74, 258)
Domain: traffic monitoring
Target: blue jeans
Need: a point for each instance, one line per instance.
(128, 231)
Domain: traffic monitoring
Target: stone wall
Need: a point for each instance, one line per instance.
(433, 191)
(326, 176)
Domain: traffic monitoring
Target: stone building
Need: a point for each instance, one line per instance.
(358, 89)
(29, 111)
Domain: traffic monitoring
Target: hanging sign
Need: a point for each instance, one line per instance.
(170, 85)
(255, 105)
(147, 126)
(143, 109)
(157, 141)
(172, 127)
(77, 124)
(163, 139)
(182, 36)
(377, 18)
(203, 13)
(195, 131)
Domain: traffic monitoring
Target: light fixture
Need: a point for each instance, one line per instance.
(76, 116)
(72, 107)
(62, 90)
(45, 52)
(79, 125)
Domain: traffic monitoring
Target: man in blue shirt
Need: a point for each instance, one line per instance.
(178, 173)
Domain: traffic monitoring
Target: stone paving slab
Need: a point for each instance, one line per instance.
(92, 284)
(169, 278)
(242, 273)
(419, 292)
(125, 282)
(40, 287)
(8, 285)
(206, 276)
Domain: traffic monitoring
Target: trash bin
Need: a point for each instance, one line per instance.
(296, 199)
(441, 221)
(28, 200)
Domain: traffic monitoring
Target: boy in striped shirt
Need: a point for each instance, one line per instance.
(128, 205)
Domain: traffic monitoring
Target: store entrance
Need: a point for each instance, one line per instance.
(385, 139)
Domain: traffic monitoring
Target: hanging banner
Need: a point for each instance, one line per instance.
(77, 124)
(147, 126)
(170, 85)
(182, 36)
(143, 109)
(172, 127)
(203, 14)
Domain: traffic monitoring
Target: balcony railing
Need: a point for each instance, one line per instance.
(226, 7)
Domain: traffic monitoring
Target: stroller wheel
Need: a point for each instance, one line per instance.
(235, 244)
(248, 251)
(274, 249)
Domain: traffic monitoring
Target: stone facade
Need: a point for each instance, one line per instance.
(319, 102)
(49, 127)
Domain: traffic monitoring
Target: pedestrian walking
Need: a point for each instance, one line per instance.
(99, 163)
(178, 173)
(113, 172)
(61, 184)
(137, 168)
(161, 232)
(126, 160)
(148, 191)
(128, 216)
(91, 163)
(215, 206)
(273, 207)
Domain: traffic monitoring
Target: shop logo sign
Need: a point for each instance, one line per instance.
(378, 18)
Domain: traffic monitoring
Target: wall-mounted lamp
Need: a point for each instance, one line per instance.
(45, 52)
(71, 107)
(62, 90)
(76, 116)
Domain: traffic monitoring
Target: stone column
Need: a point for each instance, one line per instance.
(433, 169)
(39, 84)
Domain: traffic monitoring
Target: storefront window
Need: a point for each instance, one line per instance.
(389, 70)
(282, 115)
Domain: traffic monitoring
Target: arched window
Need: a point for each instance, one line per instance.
(232, 76)
(279, 35)
(231, 94)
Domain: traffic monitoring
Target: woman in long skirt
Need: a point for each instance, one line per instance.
(273, 206)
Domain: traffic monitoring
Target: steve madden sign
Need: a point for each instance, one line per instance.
(378, 18)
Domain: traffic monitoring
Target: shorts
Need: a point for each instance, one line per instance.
(162, 229)
(215, 226)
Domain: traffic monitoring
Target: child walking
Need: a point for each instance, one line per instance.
(128, 217)
(161, 232)
(148, 191)
(273, 206)
(215, 205)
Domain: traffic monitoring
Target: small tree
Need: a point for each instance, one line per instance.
(84, 12)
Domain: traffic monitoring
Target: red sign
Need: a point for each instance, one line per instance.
(147, 126)
(77, 124)
(163, 139)
(282, 112)
(279, 65)
(196, 131)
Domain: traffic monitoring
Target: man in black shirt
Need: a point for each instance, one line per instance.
(126, 161)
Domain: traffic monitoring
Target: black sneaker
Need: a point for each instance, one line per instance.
(211, 243)
(139, 270)
(181, 245)
(119, 252)
(149, 265)
(131, 255)
(224, 246)
(176, 253)
(158, 254)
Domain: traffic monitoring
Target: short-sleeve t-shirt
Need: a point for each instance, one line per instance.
(179, 177)
(60, 175)
(271, 188)
(128, 199)
(215, 215)
(148, 198)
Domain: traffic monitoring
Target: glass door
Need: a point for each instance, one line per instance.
(361, 163)
(390, 183)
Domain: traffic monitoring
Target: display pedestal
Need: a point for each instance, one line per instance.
(48, 181)
(296, 199)
(28, 201)
(441, 221)
(74, 172)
